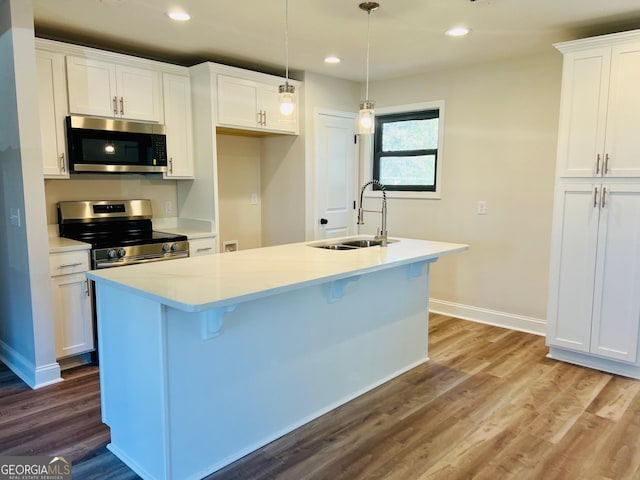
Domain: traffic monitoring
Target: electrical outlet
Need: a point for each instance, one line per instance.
(482, 207)
(168, 207)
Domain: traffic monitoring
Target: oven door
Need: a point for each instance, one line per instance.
(121, 262)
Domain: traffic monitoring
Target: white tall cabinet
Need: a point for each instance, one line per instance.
(594, 296)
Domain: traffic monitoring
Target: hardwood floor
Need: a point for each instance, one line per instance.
(488, 405)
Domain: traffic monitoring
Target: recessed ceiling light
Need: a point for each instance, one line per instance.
(458, 31)
(178, 15)
(332, 59)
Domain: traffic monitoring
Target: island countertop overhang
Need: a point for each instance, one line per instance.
(214, 281)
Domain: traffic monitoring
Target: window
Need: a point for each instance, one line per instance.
(405, 155)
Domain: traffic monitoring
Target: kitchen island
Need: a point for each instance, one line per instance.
(205, 359)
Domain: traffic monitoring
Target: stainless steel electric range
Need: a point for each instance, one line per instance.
(120, 232)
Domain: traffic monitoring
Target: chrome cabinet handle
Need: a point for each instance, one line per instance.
(122, 106)
(264, 123)
(67, 265)
(604, 197)
(606, 164)
(86, 285)
(170, 164)
(63, 165)
(598, 165)
(204, 249)
(595, 197)
(259, 115)
(115, 106)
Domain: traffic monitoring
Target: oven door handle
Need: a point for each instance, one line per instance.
(101, 265)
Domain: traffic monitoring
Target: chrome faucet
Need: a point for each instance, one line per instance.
(382, 232)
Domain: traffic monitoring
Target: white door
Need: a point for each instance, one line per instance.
(616, 309)
(72, 314)
(622, 147)
(139, 93)
(573, 264)
(336, 167)
(583, 110)
(237, 102)
(92, 87)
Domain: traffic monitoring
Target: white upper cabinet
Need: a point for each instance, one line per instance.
(52, 101)
(600, 111)
(252, 105)
(111, 90)
(178, 122)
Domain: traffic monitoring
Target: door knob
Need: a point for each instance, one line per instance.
(323, 221)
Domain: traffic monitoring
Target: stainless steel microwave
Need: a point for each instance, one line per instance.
(103, 145)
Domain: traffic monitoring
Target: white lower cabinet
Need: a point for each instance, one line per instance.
(203, 246)
(594, 296)
(72, 310)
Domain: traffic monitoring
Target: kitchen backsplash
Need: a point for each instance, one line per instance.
(112, 187)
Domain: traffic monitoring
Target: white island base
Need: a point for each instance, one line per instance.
(187, 392)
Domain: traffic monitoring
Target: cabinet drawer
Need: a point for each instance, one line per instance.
(68, 262)
(202, 246)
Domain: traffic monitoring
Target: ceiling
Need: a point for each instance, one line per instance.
(407, 36)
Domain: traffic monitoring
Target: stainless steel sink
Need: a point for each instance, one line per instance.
(337, 246)
(361, 243)
(348, 244)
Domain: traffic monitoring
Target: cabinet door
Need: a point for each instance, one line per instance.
(270, 105)
(616, 310)
(73, 324)
(91, 87)
(139, 94)
(583, 110)
(573, 259)
(623, 118)
(52, 101)
(237, 102)
(177, 108)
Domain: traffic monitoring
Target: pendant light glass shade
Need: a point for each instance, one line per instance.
(287, 100)
(366, 116)
(287, 92)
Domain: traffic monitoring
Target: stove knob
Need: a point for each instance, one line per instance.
(166, 247)
(174, 247)
(111, 253)
(122, 252)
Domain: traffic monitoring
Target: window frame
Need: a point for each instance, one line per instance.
(369, 152)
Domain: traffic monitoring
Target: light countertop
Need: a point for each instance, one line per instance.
(59, 244)
(219, 280)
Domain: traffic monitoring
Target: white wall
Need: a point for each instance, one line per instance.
(239, 179)
(322, 93)
(26, 323)
(283, 184)
(499, 146)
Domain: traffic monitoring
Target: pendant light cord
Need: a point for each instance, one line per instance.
(286, 39)
(366, 96)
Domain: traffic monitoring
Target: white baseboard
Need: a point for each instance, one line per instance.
(490, 317)
(34, 376)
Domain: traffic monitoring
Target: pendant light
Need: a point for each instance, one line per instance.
(366, 120)
(286, 91)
